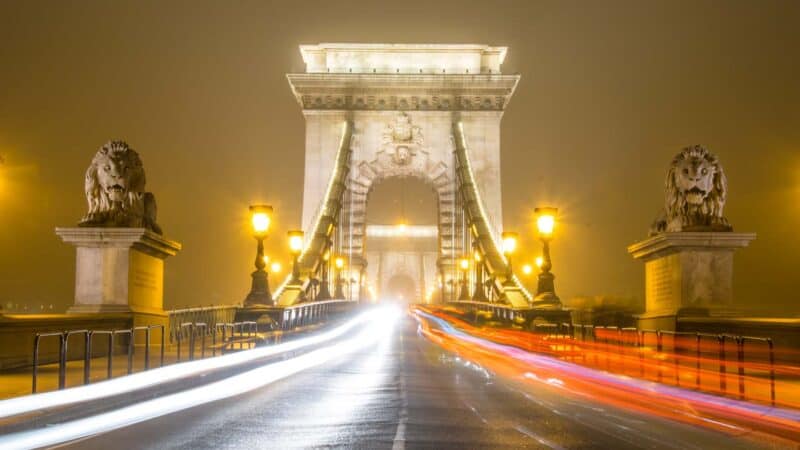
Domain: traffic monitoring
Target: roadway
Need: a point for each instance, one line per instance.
(406, 392)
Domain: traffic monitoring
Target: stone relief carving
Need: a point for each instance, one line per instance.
(417, 102)
(696, 191)
(401, 140)
(402, 131)
(115, 190)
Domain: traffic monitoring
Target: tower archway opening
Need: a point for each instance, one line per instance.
(401, 238)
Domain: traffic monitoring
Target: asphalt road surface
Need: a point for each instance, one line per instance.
(406, 393)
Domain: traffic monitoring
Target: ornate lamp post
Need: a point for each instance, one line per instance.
(260, 295)
(463, 264)
(324, 291)
(479, 295)
(545, 290)
(338, 292)
(510, 239)
(296, 246)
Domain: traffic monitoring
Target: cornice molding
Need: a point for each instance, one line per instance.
(404, 92)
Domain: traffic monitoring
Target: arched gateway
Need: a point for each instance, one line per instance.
(432, 112)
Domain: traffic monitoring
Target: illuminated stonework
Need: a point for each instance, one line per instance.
(696, 192)
(114, 187)
(403, 77)
(402, 58)
(403, 102)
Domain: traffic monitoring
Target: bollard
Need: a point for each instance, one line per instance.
(697, 361)
(147, 349)
(771, 371)
(87, 357)
(675, 358)
(722, 381)
(640, 337)
(659, 347)
(36, 341)
(740, 360)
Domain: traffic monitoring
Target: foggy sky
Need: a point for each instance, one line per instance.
(610, 91)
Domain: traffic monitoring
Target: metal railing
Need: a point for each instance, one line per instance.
(210, 315)
(676, 352)
(498, 311)
(191, 331)
(63, 351)
(304, 314)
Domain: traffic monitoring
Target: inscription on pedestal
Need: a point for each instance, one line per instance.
(661, 278)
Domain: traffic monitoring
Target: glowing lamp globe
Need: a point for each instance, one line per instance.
(339, 262)
(527, 269)
(464, 264)
(260, 217)
(296, 241)
(275, 267)
(510, 239)
(546, 221)
(539, 261)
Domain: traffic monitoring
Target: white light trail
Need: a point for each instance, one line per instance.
(30, 403)
(381, 324)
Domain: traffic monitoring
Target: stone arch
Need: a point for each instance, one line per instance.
(394, 154)
(401, 286)
(436, 174)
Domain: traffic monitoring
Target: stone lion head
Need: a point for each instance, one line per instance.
(115, 190)
(696, 191)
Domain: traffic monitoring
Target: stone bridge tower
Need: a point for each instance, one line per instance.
(402, 102)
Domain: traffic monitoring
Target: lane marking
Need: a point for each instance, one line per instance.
(399, 442)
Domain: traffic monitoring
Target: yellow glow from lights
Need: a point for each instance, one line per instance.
(464, 263)
(339, 262)
(546, 224)
(260, 217)
(296, 241)
(509, 242)
(266, 259)
(546, 220)
(275, 267)
(477, 256)
(539, 261)
(527, 269)
(401, 228)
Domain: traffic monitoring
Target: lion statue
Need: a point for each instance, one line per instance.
(115, 190)
(696, 190)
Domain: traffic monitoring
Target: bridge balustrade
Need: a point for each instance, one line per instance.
(701, 361)
(87, 356)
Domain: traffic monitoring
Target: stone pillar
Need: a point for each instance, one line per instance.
(687, 274)
(119, 270)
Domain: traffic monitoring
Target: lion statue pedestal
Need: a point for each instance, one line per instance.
(120, 249)
(686, 274)
(118, 270)
(689, 255)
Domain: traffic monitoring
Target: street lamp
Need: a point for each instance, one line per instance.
(479, 294)
(510, 239)
(324, 291)
(295, 247)
(338, 292)
(463, 264)
(545, 290)
(260, 219)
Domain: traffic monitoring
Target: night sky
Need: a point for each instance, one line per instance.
(610, 91)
